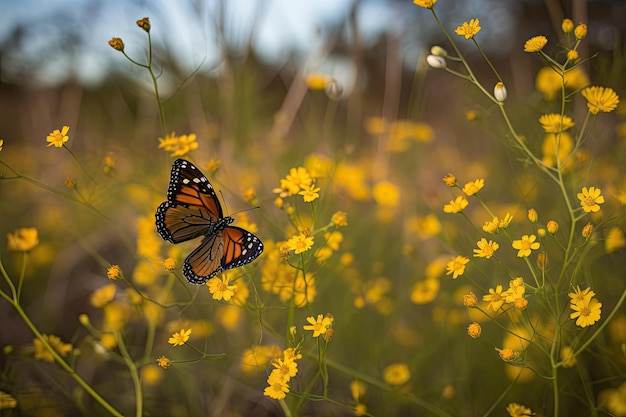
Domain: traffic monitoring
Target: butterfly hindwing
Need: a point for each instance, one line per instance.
(192, 210)
(240, 247)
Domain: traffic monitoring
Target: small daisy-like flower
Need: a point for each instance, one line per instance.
(386, 194)
(449, 180)
(339, 219)
(600, 99)
(103, 295)
(319, 326)
(457, 205)
(179, 338)
(277, 387)
(535, 44)
(495, 297)
(590, 199)
(508, 354)
(586, 312)
(504, 223)
(486, 249)
(396, 374)
(309, 193)
(43, 354)
(518, 410)
(58, 138)
(114, 272)
(426, 4)
(474, 330)
(287, 368)
(554, 123)
(220, 289)
(457, 266)
(470, 300)
(23, 239)
(468, 29)
(163, 362)
(300, 243)
(169, 264)
(293, 182)
(491, 226)
(473, 187)
(525, 245)
(178, 145)
(578, 296)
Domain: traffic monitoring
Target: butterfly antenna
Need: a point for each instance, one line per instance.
(237, 212)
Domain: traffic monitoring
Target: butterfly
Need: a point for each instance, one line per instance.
(193, 210)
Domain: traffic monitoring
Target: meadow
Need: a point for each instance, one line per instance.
(444, 243)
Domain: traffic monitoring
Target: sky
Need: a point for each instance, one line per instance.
(188, 29)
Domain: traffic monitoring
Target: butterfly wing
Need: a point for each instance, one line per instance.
(190, 188)
(191, 207)
(231, 248)
(178, 223)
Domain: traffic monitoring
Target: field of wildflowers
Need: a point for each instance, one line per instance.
(464, 259)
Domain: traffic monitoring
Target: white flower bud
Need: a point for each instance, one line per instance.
(438, 51)
(436, 61)
(499, 92)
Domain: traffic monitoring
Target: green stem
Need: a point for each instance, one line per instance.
(134, 374)
(59, 359)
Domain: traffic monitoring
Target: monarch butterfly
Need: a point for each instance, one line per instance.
(193, 210)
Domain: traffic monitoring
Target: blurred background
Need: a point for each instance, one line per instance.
(235, 73)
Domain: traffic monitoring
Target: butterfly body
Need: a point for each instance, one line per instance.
(192, 210)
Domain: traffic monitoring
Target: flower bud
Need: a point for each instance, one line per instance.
(117, 44)
(587, 230)
(572, 55)
(567, 25)
(499, 92)
(144, 24)
(552, 226)
(474, 330)
(581, 31)
(438, 51)
(449, 180)
(470, 300)
(532, 215)
(436, 61)
(334, 91)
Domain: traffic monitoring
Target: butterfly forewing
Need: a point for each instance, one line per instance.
(189, 187)
(193, 210)
(177, 223)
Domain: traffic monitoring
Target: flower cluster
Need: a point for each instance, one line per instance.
(178, 146)
(284, 369)
(587, 308)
